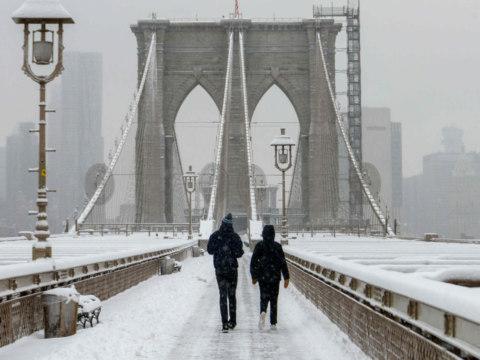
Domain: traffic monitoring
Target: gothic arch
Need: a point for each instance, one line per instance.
(298, 102)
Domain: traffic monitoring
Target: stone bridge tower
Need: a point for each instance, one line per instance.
(190, 54)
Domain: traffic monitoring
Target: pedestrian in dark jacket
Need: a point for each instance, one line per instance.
(225, 246)
(267, 265)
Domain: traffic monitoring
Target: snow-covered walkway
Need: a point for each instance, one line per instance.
(303, 331)
(178, 317)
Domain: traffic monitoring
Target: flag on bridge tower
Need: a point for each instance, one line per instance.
(236, 9)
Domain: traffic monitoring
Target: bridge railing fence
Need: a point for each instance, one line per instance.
(129, 229)
(312, 230)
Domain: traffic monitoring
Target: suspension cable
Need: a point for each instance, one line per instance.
(114, 160)
(218, 157)
(248, 143)
(376, 209)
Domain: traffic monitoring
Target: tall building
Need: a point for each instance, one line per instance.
(464, 202)
(3, 172)
(81, 141)
(54, 160)
(382, 158)
(21, 186)
(397, 171)
(413, 219)
(452, 140)
(433, 191)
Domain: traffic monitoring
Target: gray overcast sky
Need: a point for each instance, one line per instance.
(419, 57)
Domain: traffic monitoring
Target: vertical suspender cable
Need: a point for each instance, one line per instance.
(218, 157)
(376, 209)
(248, 143)
(100, 188)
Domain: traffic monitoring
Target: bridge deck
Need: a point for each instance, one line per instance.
(177, 317)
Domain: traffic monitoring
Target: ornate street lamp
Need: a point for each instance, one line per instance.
(190, 181)
(283, 162)
(261, 195)
(42, 12)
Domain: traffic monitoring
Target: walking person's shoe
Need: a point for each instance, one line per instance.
(273, 327)
(261, 322)
(232, 325)
(225, 328)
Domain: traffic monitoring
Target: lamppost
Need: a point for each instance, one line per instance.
(261, 195)
(38, 13)
(190, 181)
(283, 162)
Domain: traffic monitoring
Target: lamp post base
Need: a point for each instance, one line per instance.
(41, 250)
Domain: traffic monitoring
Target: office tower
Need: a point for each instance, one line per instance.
(21, 186)
(397, 172)
(464, 202)
(81, 140)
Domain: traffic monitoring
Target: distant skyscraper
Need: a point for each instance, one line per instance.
(464, 204)
(81, 140)
(397, 170)
(22, 154)
(452, 140)
(54, 160)
(3, 172)
(382, 157)
(3, 187)
(436, 186)
(413, 219)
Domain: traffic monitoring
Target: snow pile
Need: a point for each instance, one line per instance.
(58, 295)
(46, 9)
(88, 303)
(467, 274)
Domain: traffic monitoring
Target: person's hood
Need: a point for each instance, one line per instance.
(226, 227)
(268, 233)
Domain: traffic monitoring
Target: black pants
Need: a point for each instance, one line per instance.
(269, 293)
(227, 286)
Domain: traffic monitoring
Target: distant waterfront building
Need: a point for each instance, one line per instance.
(382, 158)
(464, 202)
(81, 140)
(21, 186)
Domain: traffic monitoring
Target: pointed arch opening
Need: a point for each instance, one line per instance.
(273, 112)
(196, 128)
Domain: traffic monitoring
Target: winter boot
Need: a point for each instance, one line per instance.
(261, 322)
(232, 325)
(273, 327)
(225, 328)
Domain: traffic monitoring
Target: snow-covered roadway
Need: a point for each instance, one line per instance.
(178, 317)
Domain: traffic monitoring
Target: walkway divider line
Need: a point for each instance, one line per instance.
(376, 209)
(218, 157)
(248, 142)
(83, 216)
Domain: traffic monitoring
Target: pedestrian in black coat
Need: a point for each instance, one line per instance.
(225, 246)
(267, 265)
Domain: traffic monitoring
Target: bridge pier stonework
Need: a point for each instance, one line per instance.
(190, 54)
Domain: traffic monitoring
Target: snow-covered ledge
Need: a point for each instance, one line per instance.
(18, 278)
(449, 312)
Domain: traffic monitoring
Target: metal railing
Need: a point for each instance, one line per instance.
(130, 229)
(312, 230)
